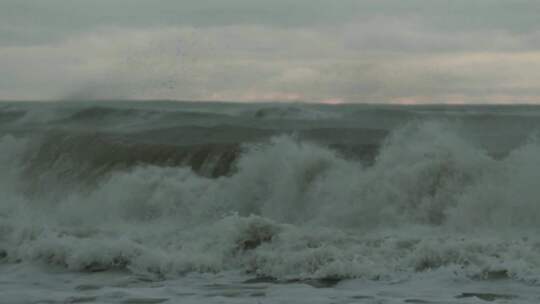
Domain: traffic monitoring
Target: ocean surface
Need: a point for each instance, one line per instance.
(179, 202)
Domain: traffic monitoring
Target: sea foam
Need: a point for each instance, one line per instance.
(290, 209)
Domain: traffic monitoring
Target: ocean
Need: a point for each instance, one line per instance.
(192, 202)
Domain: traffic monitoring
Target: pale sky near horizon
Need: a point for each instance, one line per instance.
(399, 51)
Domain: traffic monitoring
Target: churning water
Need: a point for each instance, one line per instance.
(163, 202)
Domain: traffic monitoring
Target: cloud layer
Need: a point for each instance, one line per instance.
(324, 51)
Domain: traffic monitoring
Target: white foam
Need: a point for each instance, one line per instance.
(294, 209)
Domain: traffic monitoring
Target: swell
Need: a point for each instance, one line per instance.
(64, 158)
(97, 114)
(9, 115)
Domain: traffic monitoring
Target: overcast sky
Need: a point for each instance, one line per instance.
(400, 51)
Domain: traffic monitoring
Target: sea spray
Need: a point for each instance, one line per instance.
(290, 209)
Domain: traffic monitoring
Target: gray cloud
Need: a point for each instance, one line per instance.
(28, 21)
(314, 50)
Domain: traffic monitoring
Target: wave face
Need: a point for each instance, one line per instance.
(360, 192)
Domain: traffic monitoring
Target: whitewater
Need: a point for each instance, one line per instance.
(187, 202)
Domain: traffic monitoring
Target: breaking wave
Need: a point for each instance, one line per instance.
(284, 208)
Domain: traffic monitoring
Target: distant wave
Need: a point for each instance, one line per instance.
(97, 113)
(291, 112)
